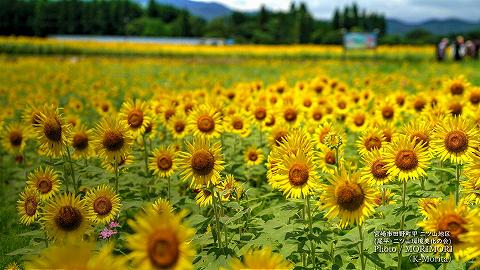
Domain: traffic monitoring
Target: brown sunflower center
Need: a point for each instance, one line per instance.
(105, 107)
(205, 123)
(237, 124)
(342, 104)
(202, 162)
(252, 156)
(388, 112)
(149, 128)
(102, 205)
(270, 122)
(421, 138)
(456, 141)
(44, 185)
(290, 114)
(456, 89)
(330, 158)
(373, 142)
(317, 115)
(163, 249)
(113, 140)
(419, 104)
(15, 138)
(68, 218)
(475, 98)
(455, 108)
(53, 130)
(400, 100)
(453, 223)
(80, 141)
(179, 126)
(298, 174)
(349, 196)
(359, 120)
(406, 160)
(164, 162)
(307, 102)
(280, 136)
(387, 133)
(30, 206)
(260, 113)
(135, 118)
(379, 169)
(169, 113)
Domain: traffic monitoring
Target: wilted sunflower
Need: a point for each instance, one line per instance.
(375, 169)
(77, 255)
(406, 159)
(164, 162)
(81, 137)
(261, 259)
(205, 121)
(448, 217)
(455, 139)
(28, 206)
(160, 241)
(52, 132)
(253, 156)
(178, 125)
(202, 163)
(112, 139)
(14, 138)
(65, 217)
(45, 181)
(427, 205)
(204, 197)
(371, 139)
(349, 197)
(162, 206)
(103, 204)
(135, 114)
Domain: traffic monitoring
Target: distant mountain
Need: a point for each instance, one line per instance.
(435, 26)
(206, 10)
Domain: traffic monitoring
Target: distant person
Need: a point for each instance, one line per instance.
(459, 49)
(441, 49)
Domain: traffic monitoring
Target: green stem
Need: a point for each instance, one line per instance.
(457, 183)
(217, 223)
(400, 245)
(362, 258)
(65, 176)
(224, 225)
(145, 154)
(46, 239)
(75, 188)
(169, 197)
(116, 175)
(336, 157)
(312, 244)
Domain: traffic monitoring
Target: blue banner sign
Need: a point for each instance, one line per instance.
(360, 40)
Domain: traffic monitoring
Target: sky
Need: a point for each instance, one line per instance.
(406, 10)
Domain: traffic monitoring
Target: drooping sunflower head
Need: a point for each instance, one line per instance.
(164, 161)
(455, 139)
(81, 142)
(205, 121)
(160, 241)
(348, 197)
(14, 137)
(375, 168)
(65, 217)
(405, 159)
(371, 139)
(45, 180)
(52, 132)
(112, 139)
(28, 206)
(136, 115)
(202, 162)
(263, 258)
(253, 156)
(103, 204)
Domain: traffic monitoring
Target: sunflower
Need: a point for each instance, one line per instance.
(14, 138)
(278, 134)
(448, 217)
(77, 255)
(358, 121)
(178, 125)
(103, 204)
(420, 132)
(230, 188)
(385, 197)
(65, 217)
(160, 241)
(371, 139)
(81, 138)
(202, 163)
(387, 110)
(238, 123)
(471, 239)
(456, 86)
(261, 259)
(122, 163)
(405, 159)
(13, 266)
(427, 205)
(31, 115)
(471, 189)
(28, 206)
(296, 175)
(323, 130)
(164, 162)
(52, 132)
(112, 139)
(162, 205)
(375, 169)
(348, 197)
(205, 121)
(253, 156)
(45, 181)
(474, 96)
(455, 139)
(327, 160)
(204, 197)
(291, 114)
(135, 114)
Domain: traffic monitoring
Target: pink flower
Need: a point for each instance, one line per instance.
(107, 233)
(113, 224)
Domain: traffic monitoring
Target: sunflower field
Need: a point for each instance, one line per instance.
(238, 163)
